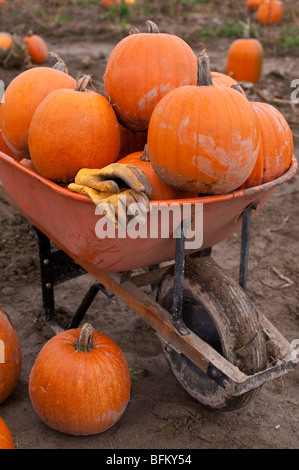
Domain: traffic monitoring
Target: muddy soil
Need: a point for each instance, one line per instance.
(160, 414)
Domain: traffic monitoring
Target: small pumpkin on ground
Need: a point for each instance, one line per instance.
(253, 4)
(73, 129)
(37, 48)
(270, 12)
(6, 440)
(6, 42)
(245, 58)
(21, 98)
(142, 68)
(276, 150)
(10, 357)
(204, 138)
(80, 382)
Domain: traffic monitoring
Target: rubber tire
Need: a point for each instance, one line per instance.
(218, 310)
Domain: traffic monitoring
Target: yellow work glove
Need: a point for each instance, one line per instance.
(116, 187)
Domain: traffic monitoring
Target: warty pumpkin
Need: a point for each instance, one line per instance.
(276, 149)
(80, 382)
(245, 58)
(10, 357)
(21, 98)
(160, 190)
(73, 129)
(270, 12)
(6, 440)
(203, 138)
(37, 48)
(142, 68)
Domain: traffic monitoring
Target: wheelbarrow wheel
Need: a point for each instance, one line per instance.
(217, 310)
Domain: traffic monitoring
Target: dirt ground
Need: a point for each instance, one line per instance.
(160, 414)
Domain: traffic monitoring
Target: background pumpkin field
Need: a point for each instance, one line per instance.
(160, 414)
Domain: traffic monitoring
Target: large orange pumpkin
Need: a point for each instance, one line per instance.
(5, 45)
(10, 357)
(6, 440)
(245, 58)
(73, 129)
(80, 382)
(270, 12)
(160, 190)
(203, 138)
(142, 68)
(276, 150)
(21, 98)
(37, 48)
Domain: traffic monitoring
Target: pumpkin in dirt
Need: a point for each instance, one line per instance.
(80, 382)
(245, 58)
(270, 12)
(37, 48)
(142, 68)
(253, 4)
(6, 440)
(204, 138)
(130, 141)
(160, 190)
(276, 150)
(107, 4)
(10, 357)
(6, 41)
(73, 129)
(21, 98)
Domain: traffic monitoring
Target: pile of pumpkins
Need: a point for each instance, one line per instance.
(81, 366)
(15, 50)
(194, 130)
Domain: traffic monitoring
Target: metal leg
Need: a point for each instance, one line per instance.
(178, 284)
(245, 236)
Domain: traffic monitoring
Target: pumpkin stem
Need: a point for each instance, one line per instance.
(237, 86)
(60, 64)
(134, 31)
(204, 77)
(83, 82)
(246, 30)
(152, 27)
(145, 156)
(85, 341)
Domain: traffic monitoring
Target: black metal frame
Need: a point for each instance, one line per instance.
(57, 267)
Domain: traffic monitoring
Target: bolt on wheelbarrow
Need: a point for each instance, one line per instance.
(219, 346)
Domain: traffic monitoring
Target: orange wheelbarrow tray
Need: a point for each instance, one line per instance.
(69, 220)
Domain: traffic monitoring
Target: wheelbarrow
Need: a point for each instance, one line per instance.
(219, 346)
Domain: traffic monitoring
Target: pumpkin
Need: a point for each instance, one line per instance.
(160, 190)
(10, 357)
(73, 129)
(107, 4)
(253, 4)
(142, 68)
(80, 382)
(276, 150)
(5, 45)
(203, 138)
(270, 12)
(219, 78)
(6, 440)
(7, 150)
(245, 58)
(130, 141)
(21, 98)
(37, 48)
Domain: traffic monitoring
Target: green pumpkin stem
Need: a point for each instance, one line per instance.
(204, 77)
(85, 340)
(145, 156)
